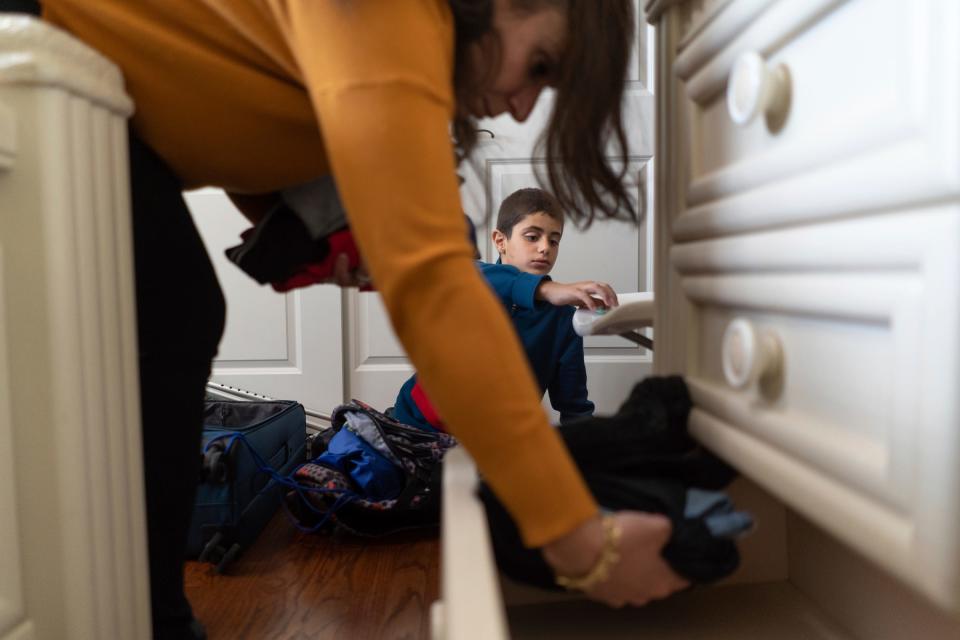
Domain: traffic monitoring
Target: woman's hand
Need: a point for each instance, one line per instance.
(344, 276)
(640, 575)
(589, 293)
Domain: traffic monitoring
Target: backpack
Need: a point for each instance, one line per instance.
(376, 476)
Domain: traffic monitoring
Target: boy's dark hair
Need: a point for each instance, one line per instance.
(524, 202)
(586, 136)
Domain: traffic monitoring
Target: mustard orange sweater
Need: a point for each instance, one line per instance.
(257, 95)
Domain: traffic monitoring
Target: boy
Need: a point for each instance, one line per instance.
(527, 237)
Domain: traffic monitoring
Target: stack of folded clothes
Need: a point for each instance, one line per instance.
(297, 242)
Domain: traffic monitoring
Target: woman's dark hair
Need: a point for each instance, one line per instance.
(586, 126)
(472, 19)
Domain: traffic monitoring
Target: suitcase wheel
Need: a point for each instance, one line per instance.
(211, 547)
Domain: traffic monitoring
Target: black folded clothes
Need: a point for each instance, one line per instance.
(642, 459)
(292, 234)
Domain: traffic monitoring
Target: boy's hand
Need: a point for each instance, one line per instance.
(589, 294)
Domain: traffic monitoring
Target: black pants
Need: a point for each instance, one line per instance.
(31, 7)
(180, 316)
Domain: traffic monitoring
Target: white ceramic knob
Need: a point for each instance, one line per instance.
(755, 88)
(749, 355)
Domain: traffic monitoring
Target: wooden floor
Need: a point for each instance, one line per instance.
(295, 585)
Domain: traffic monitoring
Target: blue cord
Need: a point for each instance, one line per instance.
(344, 496)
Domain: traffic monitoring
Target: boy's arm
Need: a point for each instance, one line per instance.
(587, 294)
(568, 388)
(513, 286)
(523, 289)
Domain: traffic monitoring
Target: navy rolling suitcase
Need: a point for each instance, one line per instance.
(236, 497)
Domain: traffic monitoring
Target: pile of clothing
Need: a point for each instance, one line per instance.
(642, 459)
(375, 476)
(297, 242)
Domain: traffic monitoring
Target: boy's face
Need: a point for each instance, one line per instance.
(533, 245)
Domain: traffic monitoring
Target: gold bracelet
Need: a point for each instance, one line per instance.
(609, 556)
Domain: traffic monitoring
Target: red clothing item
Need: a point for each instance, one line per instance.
(341, 242)
(426, 407)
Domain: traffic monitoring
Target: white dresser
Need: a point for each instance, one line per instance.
(809, 260)
(808, 287)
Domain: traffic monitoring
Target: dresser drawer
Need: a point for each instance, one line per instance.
(824, 363)
(866, 120)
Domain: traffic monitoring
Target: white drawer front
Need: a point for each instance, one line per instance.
(871, 121)
(860, 430)
(842, 405)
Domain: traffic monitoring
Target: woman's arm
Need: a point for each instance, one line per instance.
(383, 99)
(379, 74)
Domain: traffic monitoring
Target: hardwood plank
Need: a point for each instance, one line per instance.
(293, 585)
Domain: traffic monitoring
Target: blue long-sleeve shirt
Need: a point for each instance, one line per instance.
(554, 350)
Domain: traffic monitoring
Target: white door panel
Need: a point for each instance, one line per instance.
(378, 364)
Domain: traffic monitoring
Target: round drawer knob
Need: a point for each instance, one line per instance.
(755, 88)
(749, 356)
